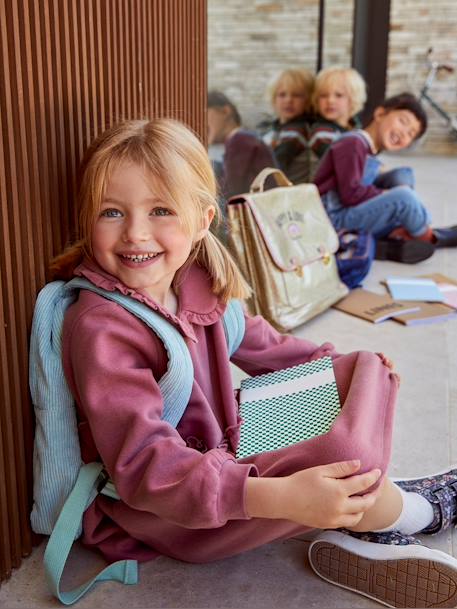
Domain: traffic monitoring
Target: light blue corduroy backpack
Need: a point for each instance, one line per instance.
(63, 486)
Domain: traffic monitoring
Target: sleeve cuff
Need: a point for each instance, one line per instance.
(232, 498)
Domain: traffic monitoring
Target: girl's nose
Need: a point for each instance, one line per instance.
(136, 230)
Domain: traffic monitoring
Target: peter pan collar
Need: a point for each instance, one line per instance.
(197, 304)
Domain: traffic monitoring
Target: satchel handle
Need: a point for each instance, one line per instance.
(259, 181)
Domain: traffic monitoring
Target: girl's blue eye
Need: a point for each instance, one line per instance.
(110, 213)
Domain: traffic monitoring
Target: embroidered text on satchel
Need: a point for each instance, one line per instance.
(285, 246)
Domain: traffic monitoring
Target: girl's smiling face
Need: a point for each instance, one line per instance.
(138, 236)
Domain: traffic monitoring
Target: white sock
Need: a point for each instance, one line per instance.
(416, 514)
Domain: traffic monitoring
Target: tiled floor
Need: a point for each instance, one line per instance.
(425, 439)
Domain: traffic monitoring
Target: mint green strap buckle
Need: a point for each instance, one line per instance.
(61, 541)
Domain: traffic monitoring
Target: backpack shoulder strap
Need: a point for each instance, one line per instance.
(66, 530)
(176, 384)
(56, 453)
(56, 419)
(57, 462)
(63, 486)
(234, 325)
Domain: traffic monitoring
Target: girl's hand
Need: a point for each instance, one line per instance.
(386, 361)
(323, 497)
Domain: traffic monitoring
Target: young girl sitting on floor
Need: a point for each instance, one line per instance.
(146, 202)
(287, 135)
(339, 95)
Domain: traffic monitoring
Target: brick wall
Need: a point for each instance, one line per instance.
(417, 25)
(249, 41)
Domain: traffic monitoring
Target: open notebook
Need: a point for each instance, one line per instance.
(285, 407)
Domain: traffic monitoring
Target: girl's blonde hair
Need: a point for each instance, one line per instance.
(349, 79)
(171, 154)
(297, 80)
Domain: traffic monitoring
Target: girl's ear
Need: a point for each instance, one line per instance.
(207, 219)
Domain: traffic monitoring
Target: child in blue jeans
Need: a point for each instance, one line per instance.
(348, 181)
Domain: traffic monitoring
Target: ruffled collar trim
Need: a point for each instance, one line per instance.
(197, 304)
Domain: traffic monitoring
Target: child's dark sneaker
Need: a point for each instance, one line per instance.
(409, 251)
(393, 569)
(441, 491)
(445, 237)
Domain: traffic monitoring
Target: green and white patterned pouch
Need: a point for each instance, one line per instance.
(287, 406)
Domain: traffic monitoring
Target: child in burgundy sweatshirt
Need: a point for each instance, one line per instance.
(396, 216)
(245, 154)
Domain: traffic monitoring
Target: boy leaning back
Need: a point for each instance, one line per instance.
(396, 216)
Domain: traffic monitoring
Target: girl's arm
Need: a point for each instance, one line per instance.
(110, 361)
(264, 349)
(328, 496)
(316, 497)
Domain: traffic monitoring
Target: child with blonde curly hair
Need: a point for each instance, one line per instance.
(339, 95)
(287, 135)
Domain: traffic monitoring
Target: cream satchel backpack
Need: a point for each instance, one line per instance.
(285, 245)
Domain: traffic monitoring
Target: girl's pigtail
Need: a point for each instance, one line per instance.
(228, 282)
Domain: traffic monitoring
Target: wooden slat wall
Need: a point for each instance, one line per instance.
(68, 70)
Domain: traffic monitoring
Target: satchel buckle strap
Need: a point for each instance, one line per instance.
(102, 480)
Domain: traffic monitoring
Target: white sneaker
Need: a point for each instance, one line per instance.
(400, 573)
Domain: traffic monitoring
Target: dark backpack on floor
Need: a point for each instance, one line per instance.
(354, 256)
